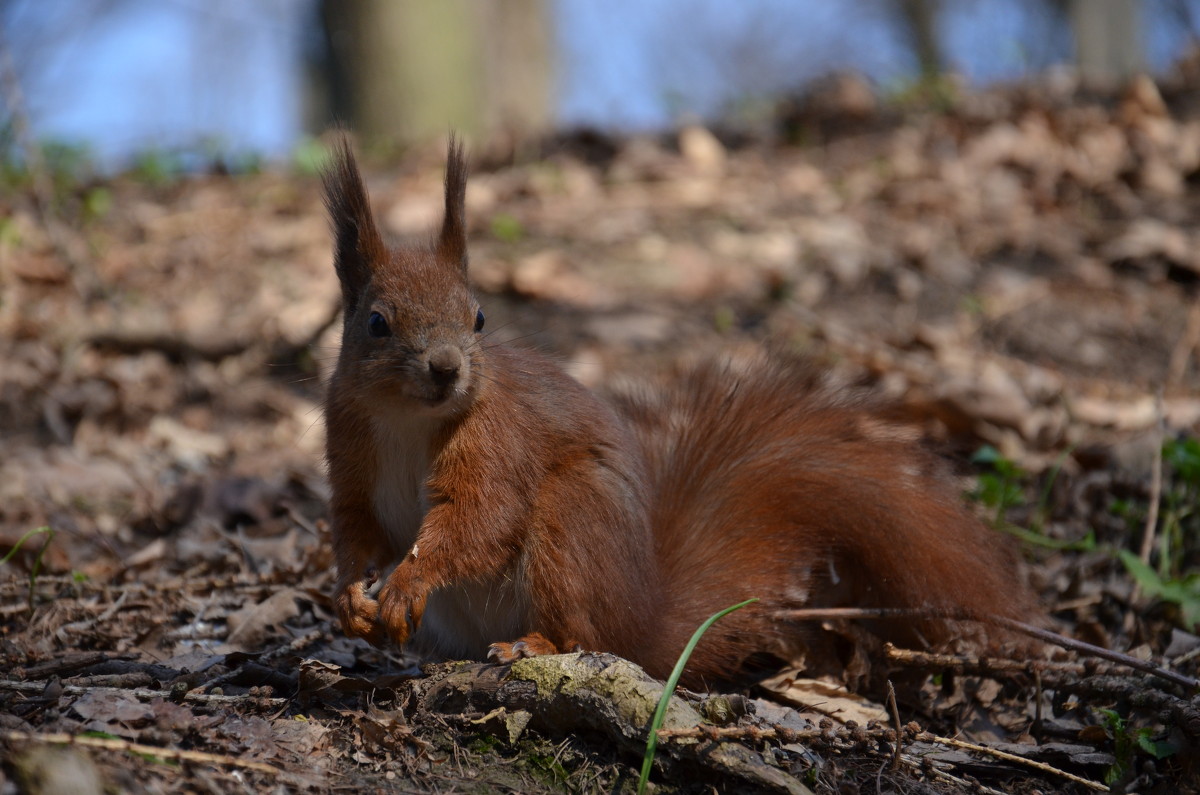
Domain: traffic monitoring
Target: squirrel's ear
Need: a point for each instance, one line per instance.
(452, 243)
(357, 245)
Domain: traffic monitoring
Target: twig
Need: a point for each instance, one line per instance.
(240, 582)
(962, 783)
(816, 614)
(142, 693)
(189, 631)
(306, 639)
(756, 733)
(891, 695)
(111, 744)
(983, 749)
(112, 609)
(1038, 698)
(1181, 354)
(1187, 656)
(64, 665)
(1070, 677)
(1149, 531)
(1096, 651)
(125, 681)
(1156, 467)
(990, 666)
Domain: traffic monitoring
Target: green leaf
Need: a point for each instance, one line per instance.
(1159, 749)
(1183, 456)
(1113, 721)
(1085, 544)
(1183, 592)
(310, 156)
(99, 734)
(1146, 577)
(986, 455)
(506, 228)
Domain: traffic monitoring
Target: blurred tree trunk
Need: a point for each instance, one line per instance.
(1108, 44)
(410, 70)
(919, 20)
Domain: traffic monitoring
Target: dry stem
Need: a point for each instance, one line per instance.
(822, 613)
(111, 744)
(144, 693)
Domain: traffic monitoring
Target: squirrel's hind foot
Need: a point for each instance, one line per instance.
(532, 645)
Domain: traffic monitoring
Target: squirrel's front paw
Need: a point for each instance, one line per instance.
(401, 604)
(359, 613)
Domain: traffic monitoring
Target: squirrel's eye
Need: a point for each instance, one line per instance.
(479, 320)
(377, 326)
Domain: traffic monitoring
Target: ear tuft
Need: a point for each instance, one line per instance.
(357, 243)
(452, 243)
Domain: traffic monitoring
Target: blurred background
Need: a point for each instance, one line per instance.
(190, 81)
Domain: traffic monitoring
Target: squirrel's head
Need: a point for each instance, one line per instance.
(411, 334)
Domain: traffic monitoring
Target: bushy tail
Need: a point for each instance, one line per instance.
(768, 485)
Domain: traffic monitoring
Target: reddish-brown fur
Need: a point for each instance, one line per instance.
(514, 503)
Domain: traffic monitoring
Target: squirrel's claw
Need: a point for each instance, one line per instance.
(359, 613)
(532, 645)
(508, 652)
(402, 604)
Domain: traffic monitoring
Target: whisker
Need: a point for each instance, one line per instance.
(501, 327)
(311, 425)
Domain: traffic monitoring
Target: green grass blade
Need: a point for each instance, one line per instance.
(669, 690)
(21, 541)
(37, 562)
(1043, 503)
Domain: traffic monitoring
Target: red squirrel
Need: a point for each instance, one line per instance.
(525, 515)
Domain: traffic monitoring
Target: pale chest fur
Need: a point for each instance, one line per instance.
(401, 498)
(463, 618)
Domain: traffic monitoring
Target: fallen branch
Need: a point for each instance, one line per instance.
(588, 691)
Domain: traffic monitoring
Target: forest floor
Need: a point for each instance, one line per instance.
(1017, 269)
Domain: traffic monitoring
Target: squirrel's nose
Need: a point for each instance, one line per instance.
(445, 362)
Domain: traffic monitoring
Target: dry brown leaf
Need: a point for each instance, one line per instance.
(826, 697)
(254, 625)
